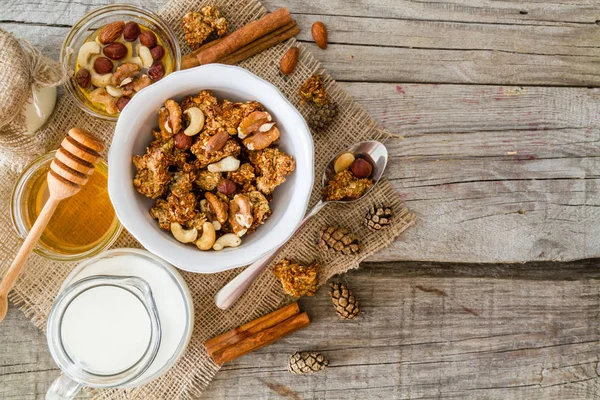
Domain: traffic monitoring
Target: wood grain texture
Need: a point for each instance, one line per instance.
(430, 42)
(426, 330)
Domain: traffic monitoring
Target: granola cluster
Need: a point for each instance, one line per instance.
(204, 26)
(201, 168)
(313, 90)
(345, 186)
(297, 280)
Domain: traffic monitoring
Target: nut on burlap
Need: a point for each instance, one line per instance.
(22, 68)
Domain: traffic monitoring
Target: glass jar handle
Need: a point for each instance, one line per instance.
(142, 290)
(63, 388)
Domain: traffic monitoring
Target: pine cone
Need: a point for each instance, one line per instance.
(322, 117)
(343, 300)
(378, 218)
(305, 362)
(340, 240)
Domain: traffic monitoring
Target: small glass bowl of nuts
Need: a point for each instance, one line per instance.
(114, 52)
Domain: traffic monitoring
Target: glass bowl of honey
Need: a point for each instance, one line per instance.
(82, 226)
(114, 52)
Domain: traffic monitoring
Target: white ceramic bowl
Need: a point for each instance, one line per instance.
(133, 133)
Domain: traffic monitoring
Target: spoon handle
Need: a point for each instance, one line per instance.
(231, 292)
(27, 247)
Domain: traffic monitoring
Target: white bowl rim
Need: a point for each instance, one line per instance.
(221, 261)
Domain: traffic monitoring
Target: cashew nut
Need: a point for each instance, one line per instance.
(208, 237)
(85, 52)
(228, 164)
(227, 240)
(114, 91)
(262, 140)
(217, 207)
(196, 121)
(174, 115)
(182, 235)
(100, 80)
(145, 56)
(101, 96)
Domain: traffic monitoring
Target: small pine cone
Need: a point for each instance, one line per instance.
(344, 302)
(378, 218)
(340, 240)
(305, 362)
(322, 117)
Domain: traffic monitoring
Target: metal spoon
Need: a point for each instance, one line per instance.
(372, 151)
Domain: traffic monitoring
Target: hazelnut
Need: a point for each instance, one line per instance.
(361, 168)
(157, 52)
(131, 31)
(183, 141)
(122, 102)
(103, 65)
(148, 39)
(83, 78)
(156, 71)
(115, 51)
(226, 187)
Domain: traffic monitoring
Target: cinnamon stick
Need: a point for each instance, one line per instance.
(191, 61)
(262, 338)
(260, 46)
(245, 35)
(235, 335)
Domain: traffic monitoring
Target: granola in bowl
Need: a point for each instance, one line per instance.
(212, 169)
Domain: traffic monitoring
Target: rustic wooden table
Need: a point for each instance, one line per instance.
(498, 104)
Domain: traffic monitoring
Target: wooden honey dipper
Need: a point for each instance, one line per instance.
(73, 164)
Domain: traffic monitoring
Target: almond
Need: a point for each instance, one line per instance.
(289, 60)
(111, 32)
(216, 142)
(319, 34)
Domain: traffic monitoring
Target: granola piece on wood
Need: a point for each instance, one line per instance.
(297, 280)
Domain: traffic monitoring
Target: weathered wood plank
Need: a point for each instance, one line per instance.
(496, 173)
(494, 12)
(427, 330)
(464, 338)
(511, 12)
(388, 49)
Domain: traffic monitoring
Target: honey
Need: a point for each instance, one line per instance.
(80, 222)
(81, 225)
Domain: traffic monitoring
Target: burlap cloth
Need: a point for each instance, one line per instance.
(39, 284)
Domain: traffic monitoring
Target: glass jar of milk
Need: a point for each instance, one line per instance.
(121, 319)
